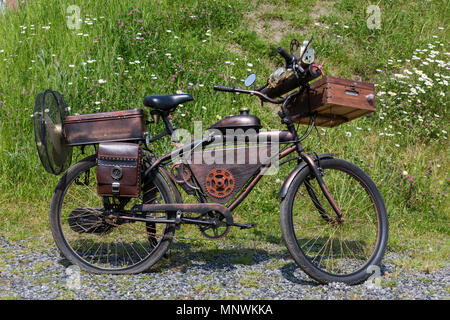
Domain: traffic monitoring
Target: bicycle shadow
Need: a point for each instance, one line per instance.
(182, 256)
(292, 272)
(185, 256)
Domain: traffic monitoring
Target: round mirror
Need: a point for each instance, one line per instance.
(250, 80)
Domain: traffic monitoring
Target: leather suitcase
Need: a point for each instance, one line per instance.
(335, 100)
(125, 125)
(119, 169)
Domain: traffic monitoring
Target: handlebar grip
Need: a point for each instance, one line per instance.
(219, 87)
(284, 54)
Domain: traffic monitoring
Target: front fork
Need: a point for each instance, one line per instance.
(318, 175)
(314, 169)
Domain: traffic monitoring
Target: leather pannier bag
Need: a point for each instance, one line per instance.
(119, 169)
(124, 126)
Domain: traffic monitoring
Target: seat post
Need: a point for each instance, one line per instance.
(169, 127)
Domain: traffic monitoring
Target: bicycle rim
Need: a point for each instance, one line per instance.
(337, 248)
(106, 244)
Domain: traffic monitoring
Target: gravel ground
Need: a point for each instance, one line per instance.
(232, 272)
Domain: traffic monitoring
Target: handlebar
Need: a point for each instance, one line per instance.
(303, 75)
(260, 95)
(290, 58)
(284, 53)
(219, 87)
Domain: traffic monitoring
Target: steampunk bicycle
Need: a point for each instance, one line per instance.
(117, 211)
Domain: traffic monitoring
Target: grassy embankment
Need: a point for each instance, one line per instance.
(127, 49)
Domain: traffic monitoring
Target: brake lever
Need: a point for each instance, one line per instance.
(321, 68)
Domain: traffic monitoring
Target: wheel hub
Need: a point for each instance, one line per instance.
(88, 220)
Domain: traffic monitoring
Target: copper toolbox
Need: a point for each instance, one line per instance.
(119, 169)
(126, 125)
(335, 100)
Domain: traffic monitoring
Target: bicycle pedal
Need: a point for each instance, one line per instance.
(246, 225)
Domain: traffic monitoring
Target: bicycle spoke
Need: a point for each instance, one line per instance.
(329, 249)
(98, 241)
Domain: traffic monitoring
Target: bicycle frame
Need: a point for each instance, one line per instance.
(303, 159)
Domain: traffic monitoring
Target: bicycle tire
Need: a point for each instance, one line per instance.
(60, 233)
(304, 250)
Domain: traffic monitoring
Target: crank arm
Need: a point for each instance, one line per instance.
(245, 226)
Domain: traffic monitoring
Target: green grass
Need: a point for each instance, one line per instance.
(389, 283)
(201, 37)
(246, 260)
(10, 297)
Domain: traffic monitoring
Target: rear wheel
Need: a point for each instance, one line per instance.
(96, 241)
(326, 248)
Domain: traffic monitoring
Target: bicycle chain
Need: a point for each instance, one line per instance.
(167, 236)
(112, 217)
(178, 237)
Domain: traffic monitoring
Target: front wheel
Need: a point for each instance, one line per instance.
(327, 248)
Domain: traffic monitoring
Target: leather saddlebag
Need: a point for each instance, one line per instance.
(124, 126)
(119, 169)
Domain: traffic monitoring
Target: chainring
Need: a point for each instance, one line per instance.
(181, 173)
(217, 231)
